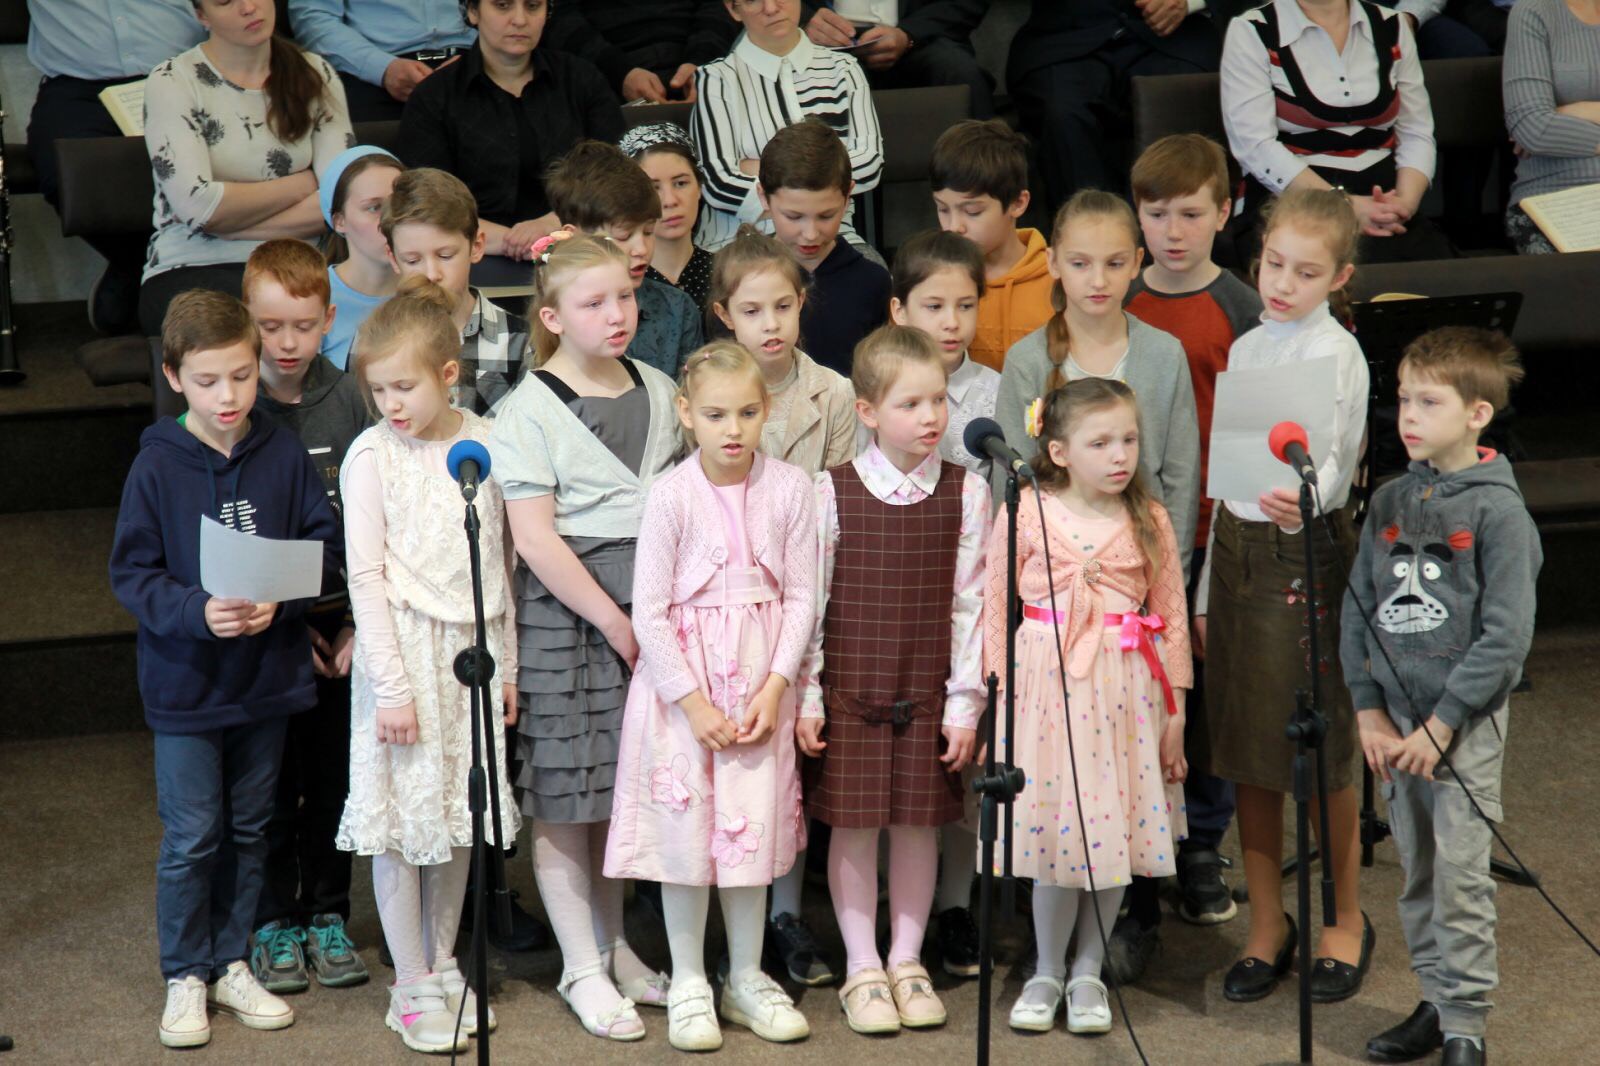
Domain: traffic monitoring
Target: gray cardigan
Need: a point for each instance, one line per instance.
(1552, 58)
(1169, 431)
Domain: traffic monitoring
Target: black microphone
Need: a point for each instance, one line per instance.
(1289, 443)
(468, 463)
(984, 439)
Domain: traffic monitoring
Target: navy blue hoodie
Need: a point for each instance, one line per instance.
(191, 680)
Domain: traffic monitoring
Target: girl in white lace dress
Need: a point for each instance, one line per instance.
(410, 721)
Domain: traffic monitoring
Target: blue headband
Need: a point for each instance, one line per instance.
(336, 169)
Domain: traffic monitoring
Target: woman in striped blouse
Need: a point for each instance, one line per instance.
(774, 77)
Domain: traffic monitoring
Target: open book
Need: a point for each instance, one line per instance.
(1570, 218)
(126, 104)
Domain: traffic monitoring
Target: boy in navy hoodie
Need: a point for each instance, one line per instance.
(218, 677)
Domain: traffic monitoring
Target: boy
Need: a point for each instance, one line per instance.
(597, 189)
(1180, 189)
(805, 187)
(430, 222)
(219, 677)
(979, 174)
(305, 897)
(1443, 590)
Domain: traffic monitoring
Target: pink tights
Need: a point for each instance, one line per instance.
(853, 881)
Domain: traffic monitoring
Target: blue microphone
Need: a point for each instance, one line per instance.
(468, 463)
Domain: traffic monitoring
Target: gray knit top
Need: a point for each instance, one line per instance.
(1552, 58)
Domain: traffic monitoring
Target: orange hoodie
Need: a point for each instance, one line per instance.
(1016, 305)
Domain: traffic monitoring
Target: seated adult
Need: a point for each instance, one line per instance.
(1551, 84)
(1328, 94)
(237, 128)
(906, 44)
(647, 52)
(1457, 29)
(502, 115)
(82, 47)
(383, 49)
(1070, 69)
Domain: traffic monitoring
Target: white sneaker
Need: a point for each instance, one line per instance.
(237, 992)
(184, 1022)
(418, 1013)
(756, 1002)
(456, 989)
(692, 1018)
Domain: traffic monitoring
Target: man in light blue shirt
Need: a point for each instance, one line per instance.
(381, 48)
(81, 47)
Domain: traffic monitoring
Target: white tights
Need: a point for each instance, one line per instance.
(1055, 913)
(413, 899)
(743, 916)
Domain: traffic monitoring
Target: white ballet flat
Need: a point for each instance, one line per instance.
(1088, 1019)
(1037, 1017)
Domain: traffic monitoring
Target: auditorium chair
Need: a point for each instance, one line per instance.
(17, 176)
(911, 121)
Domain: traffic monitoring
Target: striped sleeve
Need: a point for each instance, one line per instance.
(719, 115)
(863, 139)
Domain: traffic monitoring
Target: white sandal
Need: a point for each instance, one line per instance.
(604, 1025)
(1088, 1019)
(651, 991)
(1037, 1017)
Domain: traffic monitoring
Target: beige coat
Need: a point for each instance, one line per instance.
(820, 431)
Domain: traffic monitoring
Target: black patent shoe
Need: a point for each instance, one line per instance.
(1251, 979)
(1413, 1038)
(1462, 1052)
(1332, 980)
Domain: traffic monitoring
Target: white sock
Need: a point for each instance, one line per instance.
(444, 887)
(744, 917)
(609, 933)
(958, 859)
(786, 889)
(397, 888)
(1091, 949)
(1055, 911)
(561, 865)
(683, 908)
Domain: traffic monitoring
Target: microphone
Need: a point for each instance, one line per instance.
(983, 439)
(1288, 442)
(468, 463)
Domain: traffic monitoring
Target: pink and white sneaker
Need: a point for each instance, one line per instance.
(420, 1014)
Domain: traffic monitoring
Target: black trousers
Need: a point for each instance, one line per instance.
(159, 289)
(369, 102)
(940, 61)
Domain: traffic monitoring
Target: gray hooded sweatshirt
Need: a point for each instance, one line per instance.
(1445, 576)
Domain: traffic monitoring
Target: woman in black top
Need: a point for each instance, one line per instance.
(502, 114)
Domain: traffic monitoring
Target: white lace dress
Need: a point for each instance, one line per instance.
(411, 592)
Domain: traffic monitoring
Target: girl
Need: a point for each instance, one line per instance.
(1254, 576)
(894, 669)
(664, 152)
(1112, 580)
(354, 189)
(707, 791)
(1094, 257)
(410, 720)
(576, 445)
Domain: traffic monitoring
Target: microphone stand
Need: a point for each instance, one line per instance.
(474, 667)
(999, 784)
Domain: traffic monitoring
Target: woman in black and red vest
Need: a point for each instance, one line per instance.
(1329, 93)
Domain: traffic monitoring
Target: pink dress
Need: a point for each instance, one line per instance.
(683, 814)
(1134, 819)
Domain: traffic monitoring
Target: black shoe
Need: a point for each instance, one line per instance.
(1251, 979)
(114, 301)
(1459, 1051)
(958, 943)
(1203, 896)
(1411, 1039)
(527, 933)
(1332, 980)
(790, 948)
(1129, 949)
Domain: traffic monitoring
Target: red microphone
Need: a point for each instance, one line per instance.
(1290, 445)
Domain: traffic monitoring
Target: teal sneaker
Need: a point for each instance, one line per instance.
(332, 954)
(278, 959)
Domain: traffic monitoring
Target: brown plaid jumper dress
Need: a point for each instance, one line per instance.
(886, 641)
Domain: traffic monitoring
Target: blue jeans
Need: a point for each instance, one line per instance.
(214, 793)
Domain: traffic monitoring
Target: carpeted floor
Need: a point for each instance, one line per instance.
(80, 985)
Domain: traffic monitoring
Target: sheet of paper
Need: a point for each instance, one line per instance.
(126, 106)
(1570, 218)
(260, 569)
(1248, 404)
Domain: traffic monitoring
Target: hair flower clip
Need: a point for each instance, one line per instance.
(1033, 417)
(542, 246)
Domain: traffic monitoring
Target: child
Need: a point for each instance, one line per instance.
(775, 76)
(707, 789)
(894, 667)
(1254, 576)
(1094, 257)
(758, 292)
(411, 720)
(666, 155)
(430, 224)
(574, 451)
(1180, 188)
(353, 191)
(595, 189)
(219, 676)
(1112, 581)
(305, 896)
(979, 173)
(1444, 583)
(805, 186)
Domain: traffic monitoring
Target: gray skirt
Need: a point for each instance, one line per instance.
(572, 687)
